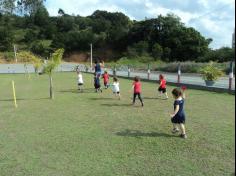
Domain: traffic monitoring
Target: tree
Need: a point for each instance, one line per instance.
(141, 48)
(29, 7)
(157, 51)
(40, 48)
(7, 6)
(54, 61)
(31, 35)
(166, 54)
(61, 12)
(6, 38)
(41, 16)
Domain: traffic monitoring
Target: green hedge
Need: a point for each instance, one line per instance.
(141, 63)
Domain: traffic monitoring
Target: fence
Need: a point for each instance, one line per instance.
(224, 84)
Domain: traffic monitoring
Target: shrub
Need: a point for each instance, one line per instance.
(9, 56)
(211, 73)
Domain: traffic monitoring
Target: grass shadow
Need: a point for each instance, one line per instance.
(150, 98)
(89, 90)
(25, 99)
(102, 98)
(138, 134)
(116, 104)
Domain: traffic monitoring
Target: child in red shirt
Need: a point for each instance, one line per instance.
(106, 79)
(137, 90)
(162, 87)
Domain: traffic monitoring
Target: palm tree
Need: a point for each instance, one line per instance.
(53, 62)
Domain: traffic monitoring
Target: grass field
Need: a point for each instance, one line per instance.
(89, 134)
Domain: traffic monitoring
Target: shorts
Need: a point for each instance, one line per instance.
(178, 119)
(80, 84)
(98, 74)
(97, 86)
(163, 90)
(116, 93)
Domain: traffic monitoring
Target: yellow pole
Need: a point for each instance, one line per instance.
(14, 93)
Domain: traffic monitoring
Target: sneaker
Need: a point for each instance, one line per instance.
(184, 136)
(175, 130)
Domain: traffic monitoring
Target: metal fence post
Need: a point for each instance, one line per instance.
(114, 71)
(179, 73)
(231, 75)
(128, 71)
(149, 71)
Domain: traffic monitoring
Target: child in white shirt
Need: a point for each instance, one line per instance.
(80, 81)
(116, 87)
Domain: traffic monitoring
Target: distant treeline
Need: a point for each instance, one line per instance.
(29, 26)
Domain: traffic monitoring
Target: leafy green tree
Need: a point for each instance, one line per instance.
(166, 54)
(223, 54)
(157, 51)
(65, 23)
(29, 7)
(31, 35)
(6, 38)
(141, 47)
(40, 48)
(7, 6)
(54, 61)
(41, 16)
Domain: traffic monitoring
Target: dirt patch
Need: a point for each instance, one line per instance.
(77, 57)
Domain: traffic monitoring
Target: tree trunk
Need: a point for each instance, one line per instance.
(51, 88)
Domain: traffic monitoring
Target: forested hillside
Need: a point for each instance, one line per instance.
(27, 24)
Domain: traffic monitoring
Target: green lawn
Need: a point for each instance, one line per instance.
(89, 134)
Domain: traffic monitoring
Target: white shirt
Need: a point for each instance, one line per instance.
(115, 87)
(80, 79)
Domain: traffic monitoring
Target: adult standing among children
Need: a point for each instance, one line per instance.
(98, 67)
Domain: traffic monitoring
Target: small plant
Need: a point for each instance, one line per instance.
(29, 58)
(211, 73)
(53, 62)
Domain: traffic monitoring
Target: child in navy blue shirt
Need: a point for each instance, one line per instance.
(178, 117)
(97, 84)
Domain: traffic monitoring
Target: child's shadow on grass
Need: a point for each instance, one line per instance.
(102, 98)
(89, 90)
(116, 104)
(154, 98)
(139, 134)
(150, 98)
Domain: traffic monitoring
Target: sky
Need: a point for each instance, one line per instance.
(212, 18)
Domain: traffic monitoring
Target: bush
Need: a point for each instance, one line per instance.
(211, 73)
(9, 56)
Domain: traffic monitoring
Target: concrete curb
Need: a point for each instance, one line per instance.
(190, 86)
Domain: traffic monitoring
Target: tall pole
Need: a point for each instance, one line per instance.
(91, 59)
(15, 50)
(179, 73)
(149, 71)
(231, 75)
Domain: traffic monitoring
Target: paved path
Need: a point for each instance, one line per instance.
(171, 77)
